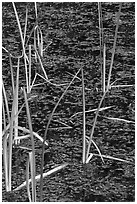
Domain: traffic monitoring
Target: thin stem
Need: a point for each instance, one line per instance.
(46, 131)
(23, 44)
(101, 37)
(84, 119)
(104, 68)
(33, 147)
(114, 45)
(94, 124)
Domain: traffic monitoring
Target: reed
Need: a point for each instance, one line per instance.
(84, 118)
(29, 83)
(10, 142)
(5, 101)
(25, 28)
(23, 45)
(16, 105)
(32, 155)
(104, 69)
(101, 41)
(13, 132)
(106, 90)
(46, 131)
(29, 163)
(12, 76)
(114, 46)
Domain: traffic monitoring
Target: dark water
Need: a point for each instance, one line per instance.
(73, 30)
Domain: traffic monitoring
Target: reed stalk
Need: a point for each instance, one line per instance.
(114, 45)
(23, 45)
(6, 101)
(108, 84)
(12, 76)
(27, 178)
(46, 131)
(101, 39)
(84, 118)
(104, 68)
(16, 105)
(25, 28)
(94, 124)
(11, 141)
(6, 162)
(33, 149)
(29, 84)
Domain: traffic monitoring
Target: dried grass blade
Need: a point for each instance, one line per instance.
(49, 81)
(37, 178)
(34, 133)
(93, 110)
(115, 158)
(67, 126)
(121, 86)
(120, 119)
